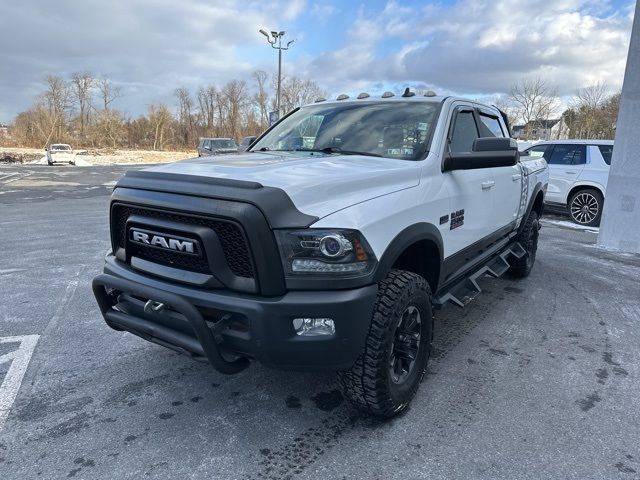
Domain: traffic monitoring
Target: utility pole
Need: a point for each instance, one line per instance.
(275, 40)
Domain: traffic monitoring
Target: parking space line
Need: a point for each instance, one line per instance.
(13, 379)
(12, 177)
(8, 175)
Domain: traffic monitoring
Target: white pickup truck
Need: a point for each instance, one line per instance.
(329, 243)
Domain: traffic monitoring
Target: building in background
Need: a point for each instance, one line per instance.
(537, 130)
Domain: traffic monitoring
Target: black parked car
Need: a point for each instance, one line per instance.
(246, 142)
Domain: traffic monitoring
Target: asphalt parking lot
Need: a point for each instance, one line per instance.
(536, 378)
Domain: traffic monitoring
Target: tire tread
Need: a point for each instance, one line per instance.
(365, 384)
(519, 267)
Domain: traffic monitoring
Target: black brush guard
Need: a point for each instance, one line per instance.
(206, 344)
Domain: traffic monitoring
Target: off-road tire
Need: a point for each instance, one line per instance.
(369, 384)
(590, 199)
(528, 238)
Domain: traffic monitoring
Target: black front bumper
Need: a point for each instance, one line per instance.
(220, 325)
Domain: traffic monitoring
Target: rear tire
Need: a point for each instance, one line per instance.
(528, 238)
(387, 374)
(585, 207)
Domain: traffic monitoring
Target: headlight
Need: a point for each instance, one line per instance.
(325, 252)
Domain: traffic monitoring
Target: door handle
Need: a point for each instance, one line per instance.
(488, 185)
(516, 177)
(569, 172)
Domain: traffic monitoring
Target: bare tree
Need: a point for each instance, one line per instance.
(504, 103)
(82, 84)
(588, 105)
(109, 128)
(233, 100)
(261, 97)
(591, 97)
(185, 117)
(56, 102)
(533, 100)
(296, 92)
(235, 110)
(108, 91)
(207, 99)
(159, 118)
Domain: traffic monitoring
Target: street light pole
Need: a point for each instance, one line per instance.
(275, 40)
(279, 76)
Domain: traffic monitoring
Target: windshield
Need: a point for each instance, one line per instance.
(386, 129)
(223, 144)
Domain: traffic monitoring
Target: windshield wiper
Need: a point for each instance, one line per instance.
(338, 150)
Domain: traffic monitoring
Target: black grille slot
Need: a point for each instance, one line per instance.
(230, 234)
(165, 257)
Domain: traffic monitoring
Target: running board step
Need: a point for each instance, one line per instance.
(467, 289)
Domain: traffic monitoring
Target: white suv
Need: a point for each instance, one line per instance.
(578, 172)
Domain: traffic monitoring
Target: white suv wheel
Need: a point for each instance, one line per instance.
(585, 207)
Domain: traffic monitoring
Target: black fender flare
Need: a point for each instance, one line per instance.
(536, 190)
(407, 237)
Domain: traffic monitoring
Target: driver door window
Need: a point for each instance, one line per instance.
(567, 155)
(464, 132)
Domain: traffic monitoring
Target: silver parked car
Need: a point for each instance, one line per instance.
(216, 146)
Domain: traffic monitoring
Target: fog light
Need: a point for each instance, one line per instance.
(311, 327)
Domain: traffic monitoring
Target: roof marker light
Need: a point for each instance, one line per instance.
(429, 93)
(388, 94)
(363, 95)
(342, 96)
(320, 99)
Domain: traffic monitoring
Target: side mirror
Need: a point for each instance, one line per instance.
(489, 152)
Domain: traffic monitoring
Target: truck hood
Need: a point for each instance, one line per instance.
(317, 183)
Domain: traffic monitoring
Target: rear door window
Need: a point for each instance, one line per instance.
(579, 155)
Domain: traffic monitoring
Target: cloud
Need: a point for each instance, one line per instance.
(151, 47)
(148, 47)
(322, 11)
(294, 8)
(486, 46)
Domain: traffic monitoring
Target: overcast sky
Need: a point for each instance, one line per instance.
(469, 47)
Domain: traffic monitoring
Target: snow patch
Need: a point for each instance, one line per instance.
(570, 225)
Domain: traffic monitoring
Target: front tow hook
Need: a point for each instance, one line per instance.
(153, 307)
